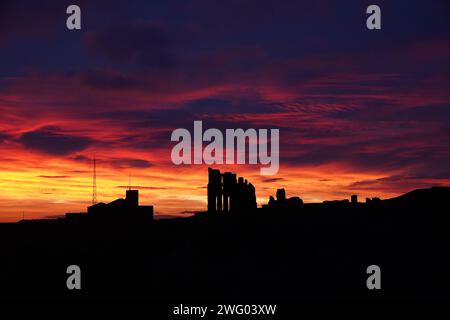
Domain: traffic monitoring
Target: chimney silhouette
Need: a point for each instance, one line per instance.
(132, 197)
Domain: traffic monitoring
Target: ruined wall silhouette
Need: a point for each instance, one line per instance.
(226, 193)
(282, 203)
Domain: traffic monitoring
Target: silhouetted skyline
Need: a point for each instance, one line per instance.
(287, 251)
(359, 112)
(228, 193)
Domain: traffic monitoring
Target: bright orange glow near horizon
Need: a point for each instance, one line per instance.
(56, 186)
(358, 113)
(46, 160)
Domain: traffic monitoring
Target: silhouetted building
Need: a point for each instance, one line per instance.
(121, 210)
(281, 195)
(226, 194)
(132, 197)
(354, 199)
(282, 203)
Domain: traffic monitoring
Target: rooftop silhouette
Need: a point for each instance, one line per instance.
(118, 211)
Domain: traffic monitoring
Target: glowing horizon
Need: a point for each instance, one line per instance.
(358, 112)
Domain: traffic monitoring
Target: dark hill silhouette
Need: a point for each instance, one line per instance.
(425, 197)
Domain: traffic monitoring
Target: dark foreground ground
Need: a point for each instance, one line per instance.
(317, 255)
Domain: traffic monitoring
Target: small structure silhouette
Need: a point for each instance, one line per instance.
(226, 193)
(121, 210)
(282, 203)
(118, 211)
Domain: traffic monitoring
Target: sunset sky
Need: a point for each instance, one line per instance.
(359, 111)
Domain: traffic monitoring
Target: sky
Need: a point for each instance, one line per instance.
(359, 111)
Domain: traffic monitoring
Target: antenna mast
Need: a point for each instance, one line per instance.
(94, 184)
